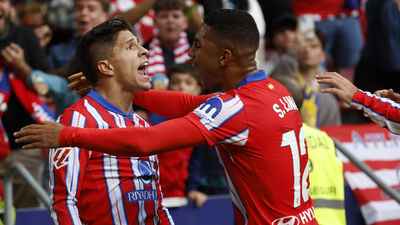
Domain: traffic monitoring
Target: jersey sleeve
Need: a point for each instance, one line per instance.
(135, 141)
(222, 119)
(67, 167)
(169, 104)
(382, 111)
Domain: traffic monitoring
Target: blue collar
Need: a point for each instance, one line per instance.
(108, 105)
(260, 75)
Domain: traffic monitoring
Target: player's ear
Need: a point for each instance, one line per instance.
(226, 57)
(105, 67)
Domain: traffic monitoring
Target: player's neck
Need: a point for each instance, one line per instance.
(235, 75)
(119, 98)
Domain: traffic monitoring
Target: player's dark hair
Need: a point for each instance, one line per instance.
(234, 25)
(98, 44)
(170, 5)
(183, 68)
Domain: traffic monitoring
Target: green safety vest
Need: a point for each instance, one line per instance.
(326, 178)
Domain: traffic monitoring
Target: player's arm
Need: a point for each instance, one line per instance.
(67, 167)
(382, 111)
(170, 104)
(132, 141)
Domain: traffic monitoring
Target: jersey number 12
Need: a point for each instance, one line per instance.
(289, 139)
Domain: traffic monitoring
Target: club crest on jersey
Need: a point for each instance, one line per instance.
(146, 172)
(209, 110)
(60, 157)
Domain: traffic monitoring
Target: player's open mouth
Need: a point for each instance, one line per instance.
(143, 69)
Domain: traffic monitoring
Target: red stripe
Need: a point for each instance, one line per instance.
(182, 54)
(372, 194)
(373, 165)
(388, 222)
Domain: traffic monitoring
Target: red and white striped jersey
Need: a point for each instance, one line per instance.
(382, 111)
(88, 187)
(261, 144)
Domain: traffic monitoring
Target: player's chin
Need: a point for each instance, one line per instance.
(145, 86)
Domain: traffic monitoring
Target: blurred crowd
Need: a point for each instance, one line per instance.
(359, 39)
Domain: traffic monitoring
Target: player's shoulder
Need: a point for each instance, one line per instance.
(78, 107)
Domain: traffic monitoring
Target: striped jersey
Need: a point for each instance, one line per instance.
(88, 187)
(261, 145)
(382, 111)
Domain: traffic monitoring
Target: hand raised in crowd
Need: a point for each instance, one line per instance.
(39, 136)
(79, 83)
(390, 94)
(199, 198)
(341, 87)
(14, 57)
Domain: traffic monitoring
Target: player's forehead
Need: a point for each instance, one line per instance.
(204, 33)
(126, 37)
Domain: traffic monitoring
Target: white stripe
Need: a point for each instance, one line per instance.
(96, 115)
(138, 186)
(155, 68)
(72, 171)
(110, 173)
(380, 211)
(232, 190)
(238, 139)
(51, 183)
(113, 179)
(182, 58)
(229, 109)
(360, 180)
(156, 58)
(181, 49)
(382, 151)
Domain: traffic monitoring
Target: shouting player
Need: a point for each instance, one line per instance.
(88, 187)
(254, 123)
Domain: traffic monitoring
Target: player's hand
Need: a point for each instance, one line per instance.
(199, 198)
(40, 136)
(341, 87)
(79, 83)
(390, 94)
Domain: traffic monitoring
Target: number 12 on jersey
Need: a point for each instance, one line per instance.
(289, 139)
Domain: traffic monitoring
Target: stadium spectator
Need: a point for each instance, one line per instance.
(379, 66)
(339, 21)
(318, 110)
(284, 60)
(174, 165)
(20, 54)
(255, 149)
(172, 42)
(126, 188)
(382, 107)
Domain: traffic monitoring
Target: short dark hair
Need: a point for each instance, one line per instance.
(321, 37)
(170, 5)
(97, 44)
(234, 25)
(183, 68)
(283, 22)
